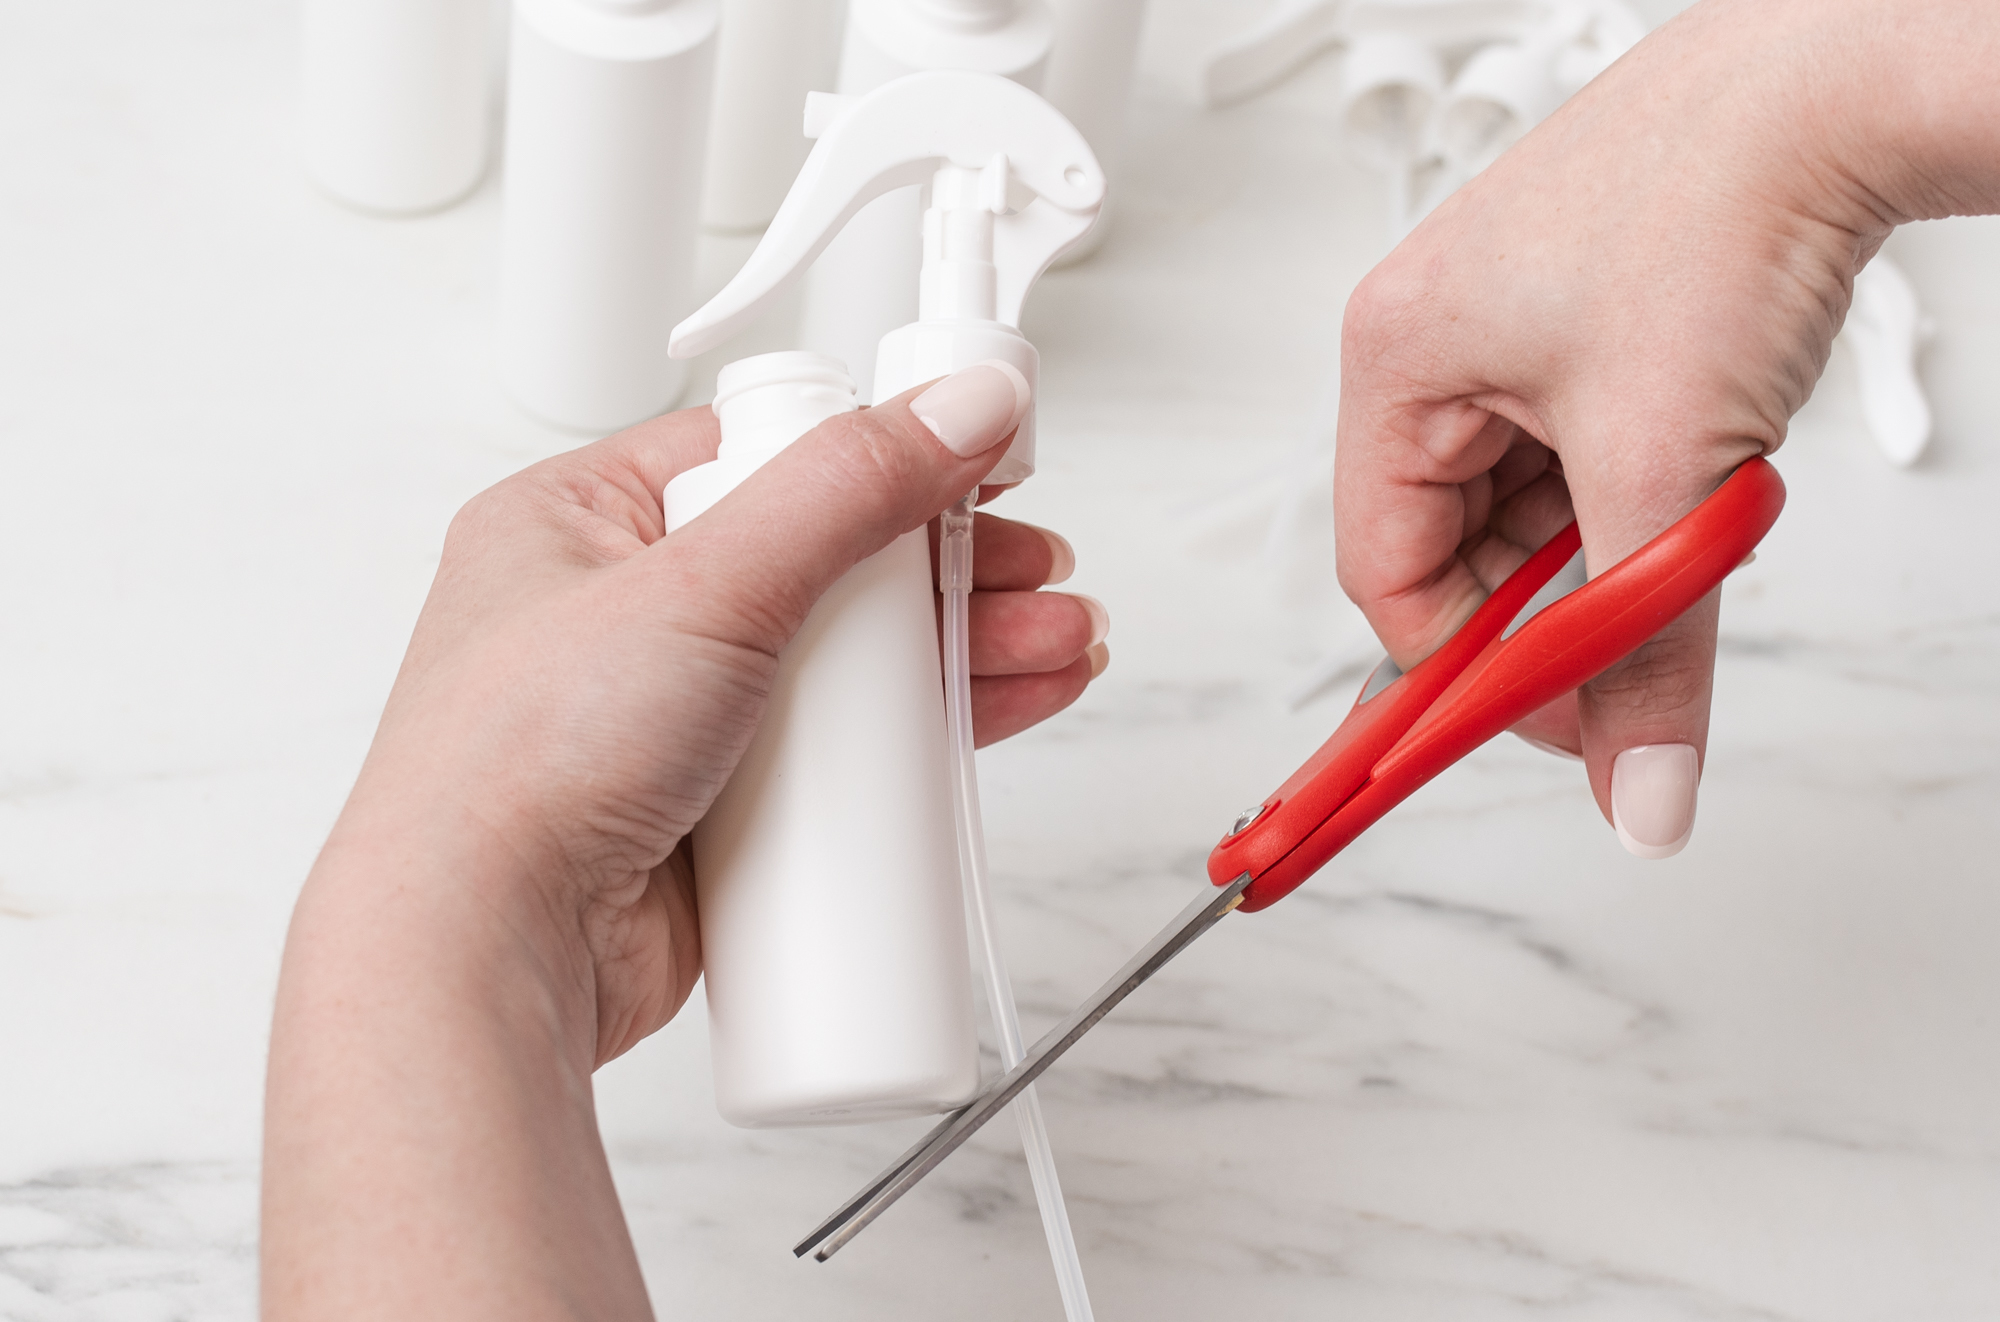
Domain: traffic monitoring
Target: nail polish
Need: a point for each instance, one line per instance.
(975, 408)
(1062, 557)
(1653, 789)
(1100, 618)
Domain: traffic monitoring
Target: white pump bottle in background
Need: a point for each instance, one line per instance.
(770, 54)
(832, 932)
(865, 284)
(396, 100)
(607, 123)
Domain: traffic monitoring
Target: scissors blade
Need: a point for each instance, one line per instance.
(854, 1215)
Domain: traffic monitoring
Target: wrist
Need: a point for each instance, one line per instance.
(1858, 114)
(429, 1129)
(414, 892)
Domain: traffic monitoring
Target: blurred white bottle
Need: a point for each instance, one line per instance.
(770, 54)
(832, 930)
(607, 126)
(396, 103)
(865, 284)
(1089, 79)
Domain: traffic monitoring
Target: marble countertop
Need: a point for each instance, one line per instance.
(1485, 1067)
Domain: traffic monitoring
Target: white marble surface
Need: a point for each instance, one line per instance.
(1485, 1067)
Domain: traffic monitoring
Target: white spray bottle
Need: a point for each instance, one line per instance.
(832, 933)
(395, 100)
(607, 122)
(832, 922)
(865, 284)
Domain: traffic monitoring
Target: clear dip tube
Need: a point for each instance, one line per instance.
(955, 581)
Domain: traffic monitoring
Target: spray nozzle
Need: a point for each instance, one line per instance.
(991, 149)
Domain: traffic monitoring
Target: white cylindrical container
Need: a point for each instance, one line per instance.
(770, 54)
(396, 105)
(865, 284)
(1089, 79)
(1390, 84)
(832, 923)
(1503, 91)
(607, 122)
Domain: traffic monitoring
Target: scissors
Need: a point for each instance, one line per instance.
(1402, 731)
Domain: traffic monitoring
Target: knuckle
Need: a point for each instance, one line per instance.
(871, 455)
(475, 520)
(1659, 677)
(1380, 303)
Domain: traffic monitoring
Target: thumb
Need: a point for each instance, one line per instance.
(840, 493)
(1644, 721)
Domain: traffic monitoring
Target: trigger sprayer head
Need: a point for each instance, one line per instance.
(904, 133)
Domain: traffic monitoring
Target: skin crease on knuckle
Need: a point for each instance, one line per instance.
(873, 451)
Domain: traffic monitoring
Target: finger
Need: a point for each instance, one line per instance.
(619, 479)
(764, 553)
(1645, 732)
(1555, 728)
(595, 505)
(1009, 556)
(1408, 493)
(1644, 722)
(1519, 527)
(1017, 633)
(1005, 705)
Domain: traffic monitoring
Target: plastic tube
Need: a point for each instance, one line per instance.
(955, 580)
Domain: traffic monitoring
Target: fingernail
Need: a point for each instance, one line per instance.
(1652, 798)
(1100, 657)
(975, 408)
(1062, 557)
(1100, 618)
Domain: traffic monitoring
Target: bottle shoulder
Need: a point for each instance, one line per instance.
(623, 31)
(1017, 49)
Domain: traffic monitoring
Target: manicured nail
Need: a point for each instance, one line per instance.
(1652, 798)
(1100, 618)
(975, 408)
(1062, 557)
(1100, 657)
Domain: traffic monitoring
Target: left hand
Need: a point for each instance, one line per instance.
(503, 904)
(582, 684)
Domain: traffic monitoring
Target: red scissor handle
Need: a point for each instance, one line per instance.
(1477, 684)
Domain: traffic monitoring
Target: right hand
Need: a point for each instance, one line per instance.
(1628, 304)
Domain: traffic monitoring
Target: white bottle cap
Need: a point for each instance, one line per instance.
(763, 404)
(767, 402)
